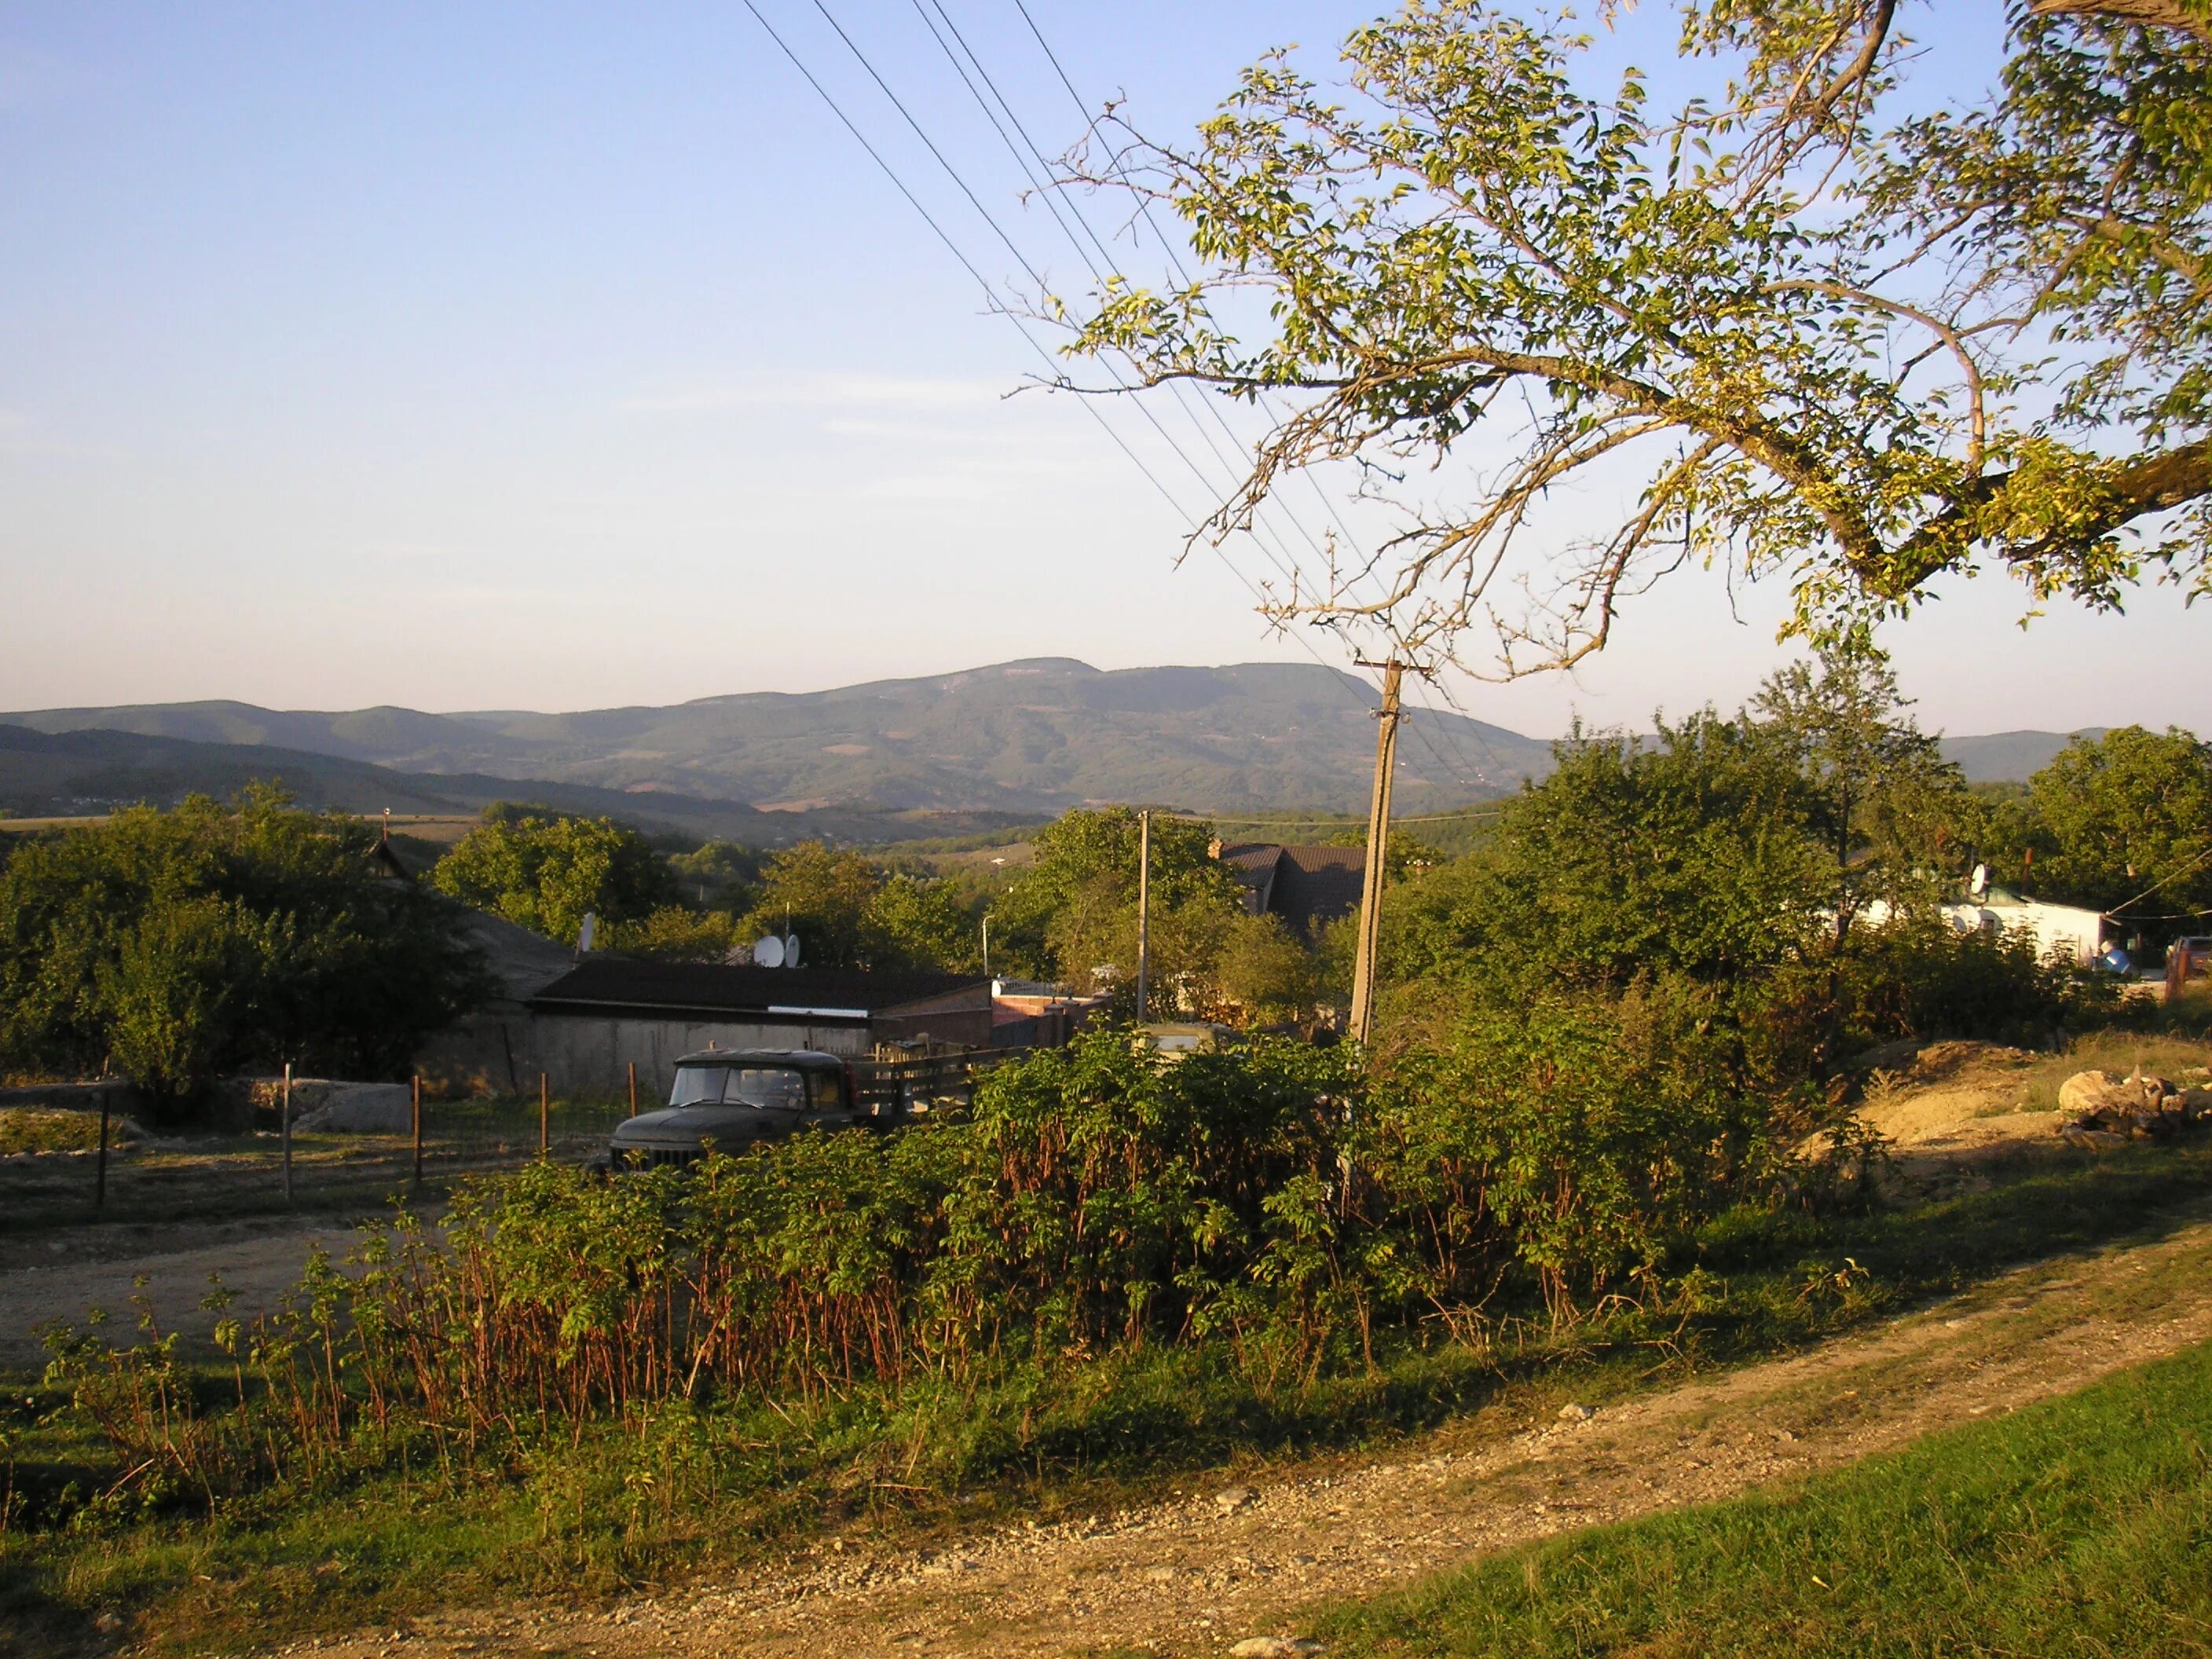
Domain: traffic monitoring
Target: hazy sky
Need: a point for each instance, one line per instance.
(472, 357)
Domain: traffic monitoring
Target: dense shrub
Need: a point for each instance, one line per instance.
(169, 947)
(1269, 1205)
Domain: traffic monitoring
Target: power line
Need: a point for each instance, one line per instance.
(968, 264)
(1021, 259)
(1293, 571)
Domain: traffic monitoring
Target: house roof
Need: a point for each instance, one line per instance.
(613, 985)
(1303, 885)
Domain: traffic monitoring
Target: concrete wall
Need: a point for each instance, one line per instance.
(588, 1057)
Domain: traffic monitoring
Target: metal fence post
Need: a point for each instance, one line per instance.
(633, 1088)
(99, 1182)
(284, 1114)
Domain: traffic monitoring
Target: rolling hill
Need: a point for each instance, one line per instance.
(892, 759)
(1033, 736)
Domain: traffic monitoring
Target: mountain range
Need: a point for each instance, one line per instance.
(1019, 740)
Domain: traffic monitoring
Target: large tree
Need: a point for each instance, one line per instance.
(169, 947)
(2125, 820)
(1800, 324)
(548, 874)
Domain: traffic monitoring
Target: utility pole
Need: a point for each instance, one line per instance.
(1378, 841)
(1144, 909)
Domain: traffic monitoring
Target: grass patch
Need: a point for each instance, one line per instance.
(44, 1129)
(593, 1514)
(2079, 1525)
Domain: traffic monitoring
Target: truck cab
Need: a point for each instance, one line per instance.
(734, 1099)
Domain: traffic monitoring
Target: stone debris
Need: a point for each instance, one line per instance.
(2103, 1111)
(1574, 1413)
(1273, 1647)
(1233, 1499)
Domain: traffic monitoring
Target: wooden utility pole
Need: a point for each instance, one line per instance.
(633, 1088)
(1378, 841)
(1144, 910)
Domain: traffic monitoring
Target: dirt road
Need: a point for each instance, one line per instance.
(1193, 1577)
(260, 1260)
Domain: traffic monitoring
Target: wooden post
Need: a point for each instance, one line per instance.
(1144, 911)
(284, 1128)
(544, 1139)
(633, 1088)
(99, 1181)
(1378, 843)
(418, 1135)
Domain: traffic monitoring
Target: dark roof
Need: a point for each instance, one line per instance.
(611, 984)
(1303, 885)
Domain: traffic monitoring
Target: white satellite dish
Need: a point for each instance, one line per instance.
(585, 933)
(791, 949)
(768, 952)
(1979, 883)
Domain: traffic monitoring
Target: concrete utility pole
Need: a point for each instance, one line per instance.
(1144, 909)
(1378, 841)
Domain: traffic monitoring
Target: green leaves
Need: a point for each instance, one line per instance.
(172, 946)
(1808, 342)
(547, 874)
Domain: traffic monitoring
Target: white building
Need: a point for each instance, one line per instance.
(2065, 930)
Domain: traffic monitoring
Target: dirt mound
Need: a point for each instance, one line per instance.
(1952, 1105)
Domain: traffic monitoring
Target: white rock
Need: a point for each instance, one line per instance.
(1273, 1647)
(1574, 1414)
(1227, 1502)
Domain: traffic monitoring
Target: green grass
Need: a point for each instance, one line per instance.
(2083, 1526)
(396, 1535)
(41, 1129)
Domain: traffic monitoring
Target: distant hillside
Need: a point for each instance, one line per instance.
(78, 772)
(2010, 756)
(1027, 737)
(1018, 741)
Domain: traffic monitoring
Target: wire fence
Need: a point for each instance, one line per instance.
(71, 1165)
(65, 1171)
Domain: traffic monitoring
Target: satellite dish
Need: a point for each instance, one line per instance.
(768, 952)
(1979, 883)
(584, 933)
(791, 949)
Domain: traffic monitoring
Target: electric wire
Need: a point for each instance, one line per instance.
(852, 47)
(968, 265)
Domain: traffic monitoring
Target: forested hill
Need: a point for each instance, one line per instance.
(1036, 736)
(1025, 737)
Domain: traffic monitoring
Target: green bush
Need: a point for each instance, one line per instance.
(170, 947)
(1269, 1206)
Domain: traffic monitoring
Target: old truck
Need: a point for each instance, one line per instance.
(732, 1099)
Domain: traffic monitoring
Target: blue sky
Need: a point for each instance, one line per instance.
(470, 356)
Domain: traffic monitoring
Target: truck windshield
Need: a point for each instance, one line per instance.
(771, 1088)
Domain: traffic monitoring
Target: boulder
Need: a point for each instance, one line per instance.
(2087, 1094)
(359, 1108)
